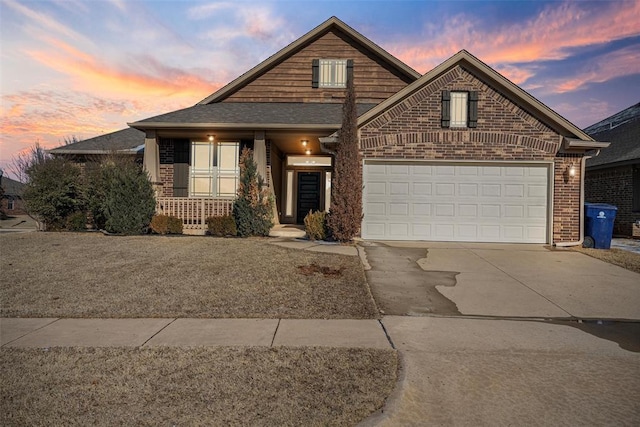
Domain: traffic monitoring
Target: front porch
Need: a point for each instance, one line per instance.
(194, 211)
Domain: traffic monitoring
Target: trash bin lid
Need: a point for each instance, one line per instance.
(600, 206)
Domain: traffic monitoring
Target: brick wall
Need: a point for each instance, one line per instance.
(412, 130)
(165, 147)
(614, 186)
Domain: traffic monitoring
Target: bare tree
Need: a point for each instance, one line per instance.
(24, 160)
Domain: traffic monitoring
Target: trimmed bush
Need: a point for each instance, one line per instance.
(122, 197)
(253, 209)
(166, 224)
(315, 224)
(221, 226)
(77, 221)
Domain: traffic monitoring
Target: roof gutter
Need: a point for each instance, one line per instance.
(233, 126)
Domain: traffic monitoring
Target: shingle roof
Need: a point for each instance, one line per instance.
(237, 114)
(128, 139)
(623, 131)
(11, 187)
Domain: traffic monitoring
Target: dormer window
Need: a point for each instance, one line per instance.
(330, 73)
(459, 109)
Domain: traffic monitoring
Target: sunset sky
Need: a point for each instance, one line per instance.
(87, 67)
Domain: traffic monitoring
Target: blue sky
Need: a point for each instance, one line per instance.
(84, 68)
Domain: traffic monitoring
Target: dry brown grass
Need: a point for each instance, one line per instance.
(619, 257)
(92, 275)
(198, 386)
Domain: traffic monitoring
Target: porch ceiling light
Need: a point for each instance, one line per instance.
(304, 142)
(211, 138)
(308, 152)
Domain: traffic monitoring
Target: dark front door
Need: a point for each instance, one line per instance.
(308, 194)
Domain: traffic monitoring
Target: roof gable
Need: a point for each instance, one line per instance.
(487, 74)
(623, 130)
(332, 24)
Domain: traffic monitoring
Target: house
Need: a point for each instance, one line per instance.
(613, 177)
(458, 154)
(12, 203)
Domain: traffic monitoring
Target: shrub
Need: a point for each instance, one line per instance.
(221, 226)
(253, 209)
(121, 196)
(166, 224)
(315, 224)
(77, 221)
(53, 192)
(345, 217)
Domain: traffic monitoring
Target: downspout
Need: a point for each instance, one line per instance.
(583, 164)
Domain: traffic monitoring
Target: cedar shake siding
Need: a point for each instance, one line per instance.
(291, 79)
(412, 130)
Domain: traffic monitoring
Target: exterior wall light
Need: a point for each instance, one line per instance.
(211, 138)
(304, 142)
(308, 152)
(572, 170)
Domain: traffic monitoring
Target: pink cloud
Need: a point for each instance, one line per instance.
(548, 36)
(91, 71)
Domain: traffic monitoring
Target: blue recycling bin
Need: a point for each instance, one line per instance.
(599, 224)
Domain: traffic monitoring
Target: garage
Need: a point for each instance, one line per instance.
(464, 202)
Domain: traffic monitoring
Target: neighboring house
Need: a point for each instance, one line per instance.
(127, 141)
(613, 176)
(458, 154)
(12, 202)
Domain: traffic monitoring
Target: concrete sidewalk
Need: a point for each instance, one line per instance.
(51, 332)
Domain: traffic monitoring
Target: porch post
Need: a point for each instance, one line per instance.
(260, 157)
(260, 153)
(151, 159)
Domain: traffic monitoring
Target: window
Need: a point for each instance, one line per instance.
(331, 73)
(459, 109)
(10, 204)
(214, 169)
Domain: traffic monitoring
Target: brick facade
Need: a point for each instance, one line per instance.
(614, 186)
(412, 129)
(165, 147)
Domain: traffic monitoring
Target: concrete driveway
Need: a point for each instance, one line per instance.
(472, 324)
(501, 280)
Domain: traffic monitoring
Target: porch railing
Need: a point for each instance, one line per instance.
(194, 211)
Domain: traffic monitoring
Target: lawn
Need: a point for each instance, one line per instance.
(619, 257)
(199, 386)
(93, 275)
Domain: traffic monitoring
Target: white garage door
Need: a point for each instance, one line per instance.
(462, 202)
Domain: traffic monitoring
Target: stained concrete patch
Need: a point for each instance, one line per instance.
(11, 328)
(331, 333)
(216, 332)
(93, 333)
(401, 287)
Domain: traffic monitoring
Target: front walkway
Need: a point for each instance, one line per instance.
(43, 333)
